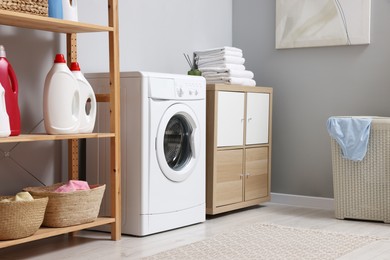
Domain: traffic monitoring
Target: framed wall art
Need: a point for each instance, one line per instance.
(314, 23)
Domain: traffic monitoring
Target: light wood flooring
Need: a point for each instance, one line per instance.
(97, 245)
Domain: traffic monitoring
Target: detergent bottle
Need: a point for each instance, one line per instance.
(87, 100)
(69, 10)
(5, 130)
(10, 84)
(55, 9)
(61, 99)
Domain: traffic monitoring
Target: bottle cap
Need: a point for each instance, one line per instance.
(74, 66)
(2, 52)
(59, 59)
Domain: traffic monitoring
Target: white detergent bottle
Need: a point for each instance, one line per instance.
(5, 129)
(61, 99)
(87, 101)
(69, 11)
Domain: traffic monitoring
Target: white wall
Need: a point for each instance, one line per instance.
(153, 36)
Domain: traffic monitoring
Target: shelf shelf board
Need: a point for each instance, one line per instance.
(46, 137)
(45, 232)
(37, 22)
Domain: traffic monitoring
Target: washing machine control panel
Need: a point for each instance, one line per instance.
(179, 87)
(186, 89)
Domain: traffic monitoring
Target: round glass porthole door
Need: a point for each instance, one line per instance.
(177, 148)
(177, 142)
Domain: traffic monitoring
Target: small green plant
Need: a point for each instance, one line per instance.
(193, 71)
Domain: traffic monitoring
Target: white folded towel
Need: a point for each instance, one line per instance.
(218, 54)
(231, 80)
(217, 69)
(220, 66)
(218, 50)
(229, 73)
(21, 196)
(221, 59)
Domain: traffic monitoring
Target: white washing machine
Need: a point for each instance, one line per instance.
(163, 150)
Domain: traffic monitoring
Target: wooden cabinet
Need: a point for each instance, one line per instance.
(238, 145)
(71, 29)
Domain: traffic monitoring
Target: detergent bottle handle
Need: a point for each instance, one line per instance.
(92, 112)
(14, 81)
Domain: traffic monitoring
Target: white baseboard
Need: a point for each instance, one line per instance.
(303, 201)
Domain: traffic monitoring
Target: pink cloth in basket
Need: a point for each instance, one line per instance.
(73, 185)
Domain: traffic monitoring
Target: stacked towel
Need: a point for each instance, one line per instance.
(224, 65)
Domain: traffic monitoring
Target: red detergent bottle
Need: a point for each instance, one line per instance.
(10, 84)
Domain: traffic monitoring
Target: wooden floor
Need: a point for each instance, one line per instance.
(96, 245)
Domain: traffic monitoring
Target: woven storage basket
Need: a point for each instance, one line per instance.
(37, 7)
(70, 208)
(20, 219)
(362, 189)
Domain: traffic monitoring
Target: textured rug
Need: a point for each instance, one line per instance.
(267, 241)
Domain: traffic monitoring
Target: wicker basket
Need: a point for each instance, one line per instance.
(71, 208)
(362, 189)
(37, 7)
(20, 219)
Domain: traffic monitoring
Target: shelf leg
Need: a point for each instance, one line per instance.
(73, 159)
(113, 38)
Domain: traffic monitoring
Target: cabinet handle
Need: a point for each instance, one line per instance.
(247, 175)
(249, 119)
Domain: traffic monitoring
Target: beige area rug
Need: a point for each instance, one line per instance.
(267, 241)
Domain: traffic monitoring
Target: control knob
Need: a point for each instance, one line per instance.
(180, 92)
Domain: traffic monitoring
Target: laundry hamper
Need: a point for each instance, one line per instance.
(362, 189)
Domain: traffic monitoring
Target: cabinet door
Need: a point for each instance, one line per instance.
(229, 169)
(256, 173)
(230, 118)
(257, 118)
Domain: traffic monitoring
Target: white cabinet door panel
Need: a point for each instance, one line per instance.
(257, 118)
(230, 122)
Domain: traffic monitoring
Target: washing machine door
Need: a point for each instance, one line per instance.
(178, 142)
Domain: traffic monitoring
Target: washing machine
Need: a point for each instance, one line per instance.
(162, 150)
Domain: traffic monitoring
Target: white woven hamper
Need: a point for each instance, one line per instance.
(362, 189)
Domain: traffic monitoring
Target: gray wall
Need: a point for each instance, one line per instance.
(153, 36)
(311, 84)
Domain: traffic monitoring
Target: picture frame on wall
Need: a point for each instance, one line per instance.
(308, 23)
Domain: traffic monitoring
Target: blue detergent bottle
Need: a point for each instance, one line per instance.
(55, 9)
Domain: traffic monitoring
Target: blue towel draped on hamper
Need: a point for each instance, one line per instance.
(352, 135)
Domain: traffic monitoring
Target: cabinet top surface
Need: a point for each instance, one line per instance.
(238, 88)
(37, 22)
